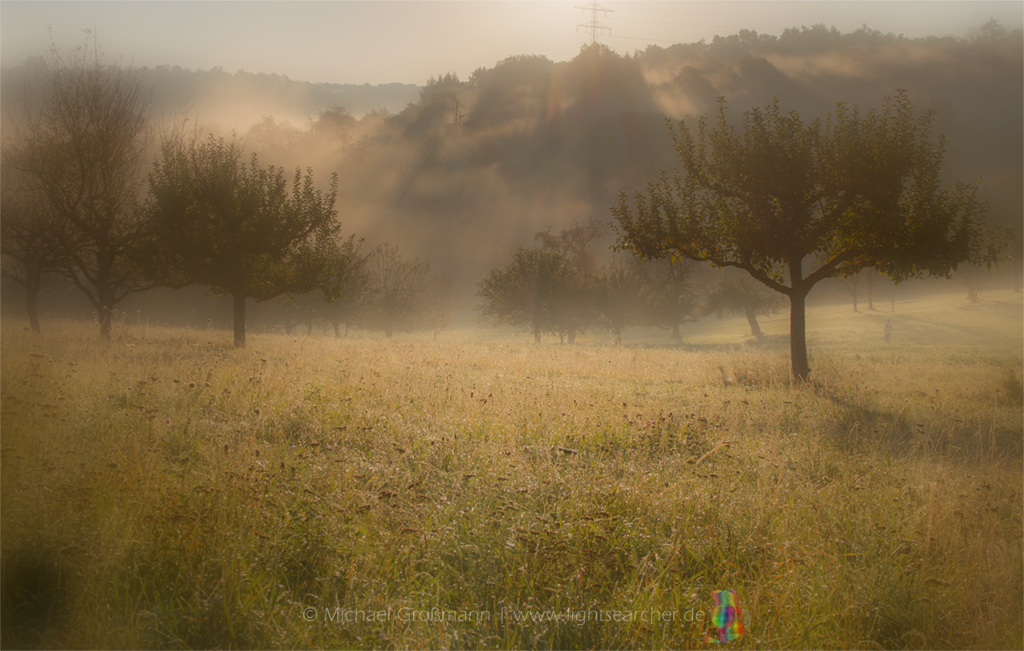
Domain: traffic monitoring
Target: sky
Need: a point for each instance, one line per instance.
(387, 41)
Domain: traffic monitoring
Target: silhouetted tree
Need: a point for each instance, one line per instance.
(334, 299)
(995, 244)
(576, 307)
(527, 292)
(274, 141)
(333, 121)
(439, 105)
(622, 296)
(852, 284)
(345, 288)
(673, 291)
(742, 295)
(846, 192)
(1005, 192)
(31, 242)
(395, 290)
(81, 148)
(236, 228)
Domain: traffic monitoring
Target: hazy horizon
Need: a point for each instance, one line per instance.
(410, 42)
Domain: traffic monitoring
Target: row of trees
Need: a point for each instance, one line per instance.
(789, 202)
(557, 288)
(382, 290)
(77, 201)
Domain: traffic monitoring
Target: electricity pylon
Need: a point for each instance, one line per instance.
(593, 26)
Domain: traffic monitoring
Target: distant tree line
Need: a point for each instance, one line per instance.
(91, 196)
(78, 202)
(557, 288)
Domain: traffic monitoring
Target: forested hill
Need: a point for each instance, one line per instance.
(224, 100)
(460, 172)
(975, 85)
(247, 97)
(476, 167)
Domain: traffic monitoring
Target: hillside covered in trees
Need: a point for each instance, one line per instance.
(467, 170)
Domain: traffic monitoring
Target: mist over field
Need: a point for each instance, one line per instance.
(534, 392)
(460, 172)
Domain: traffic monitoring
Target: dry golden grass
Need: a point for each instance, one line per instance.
(169, 491)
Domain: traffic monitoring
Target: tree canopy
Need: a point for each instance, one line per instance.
(30, 239)
(396, 289)
(529, 291)
(793, 202)
(237, 228)
(80, 150)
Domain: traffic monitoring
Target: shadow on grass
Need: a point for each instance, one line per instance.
(862, 426)
(34, 596)
(769, 343)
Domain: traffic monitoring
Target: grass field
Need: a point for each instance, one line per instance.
(481, 491)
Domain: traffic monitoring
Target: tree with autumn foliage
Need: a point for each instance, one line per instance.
(793, 202)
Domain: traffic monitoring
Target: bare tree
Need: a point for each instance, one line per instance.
(82, 148)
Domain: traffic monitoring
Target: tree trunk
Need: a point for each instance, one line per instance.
(572, 336)
(871, 299)
(337, 329)
(309, 328)
(106, 320)
(798, 335)
(676, 337)
(798, 320)
(106, 298)
(389, 313)
(755, 328)
(239, 309)
(33, 311)
(33, 301)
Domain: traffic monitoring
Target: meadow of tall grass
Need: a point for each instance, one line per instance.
(166, 490)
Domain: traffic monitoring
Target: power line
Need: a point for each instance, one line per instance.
(649, 40)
